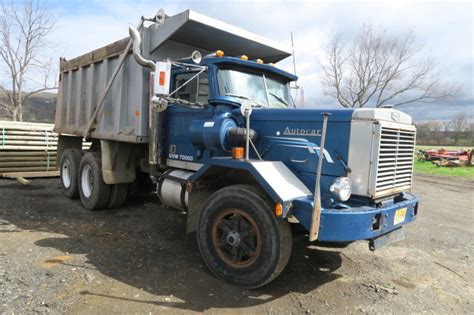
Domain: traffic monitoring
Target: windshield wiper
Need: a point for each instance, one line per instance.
(244, 98)
(280, 99)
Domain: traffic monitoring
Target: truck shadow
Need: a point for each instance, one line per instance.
(144, 246)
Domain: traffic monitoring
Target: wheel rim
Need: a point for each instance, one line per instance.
(236, 238)
(87, 179)
(66, 173)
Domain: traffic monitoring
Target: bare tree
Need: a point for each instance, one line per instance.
(422, 133)
(377, 69)
(435, 128)
(430, 132)
(459, 125)
(446, 129)
(24, 27)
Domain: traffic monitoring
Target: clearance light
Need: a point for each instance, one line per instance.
(238, 153)
(259, 61)
(279, 209)
(272, 64)
(219, 53)
(244, 57)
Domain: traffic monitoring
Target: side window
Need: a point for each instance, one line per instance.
(196, 91)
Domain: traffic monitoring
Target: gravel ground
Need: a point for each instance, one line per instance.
(56, 257)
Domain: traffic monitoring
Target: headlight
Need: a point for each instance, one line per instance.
(341, 188)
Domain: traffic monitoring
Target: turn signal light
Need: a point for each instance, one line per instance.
(238, 153)
(279, 209)
(219, 53)
(244, 57)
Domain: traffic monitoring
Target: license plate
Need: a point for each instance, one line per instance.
(400, 215)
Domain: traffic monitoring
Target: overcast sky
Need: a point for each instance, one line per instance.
(444, 28)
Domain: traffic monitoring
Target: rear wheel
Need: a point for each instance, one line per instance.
(69, 169)
(94, 192)
(118, 195)
(240, 238)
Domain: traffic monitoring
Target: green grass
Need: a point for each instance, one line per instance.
(426, 167)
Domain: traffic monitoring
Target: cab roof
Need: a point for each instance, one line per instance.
(238, 62)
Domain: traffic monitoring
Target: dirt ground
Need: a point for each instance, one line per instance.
(57, 257)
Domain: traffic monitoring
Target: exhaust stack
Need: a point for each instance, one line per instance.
(137, 49)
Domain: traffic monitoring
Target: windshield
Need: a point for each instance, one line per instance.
(263, 91)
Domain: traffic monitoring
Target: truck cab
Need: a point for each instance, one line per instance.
(367, 161)
(223, 86)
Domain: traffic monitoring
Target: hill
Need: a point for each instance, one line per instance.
(39, 108)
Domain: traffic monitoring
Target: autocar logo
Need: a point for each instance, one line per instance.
(395, 116)
(302, 132)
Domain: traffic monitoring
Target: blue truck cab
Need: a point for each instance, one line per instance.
(365, 182)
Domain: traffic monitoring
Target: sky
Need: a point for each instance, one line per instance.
(445, 29)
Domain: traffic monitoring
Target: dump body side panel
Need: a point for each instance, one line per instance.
(124, 115)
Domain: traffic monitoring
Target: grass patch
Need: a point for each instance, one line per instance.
(426, 167)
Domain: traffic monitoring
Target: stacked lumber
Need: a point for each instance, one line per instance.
(27, 148)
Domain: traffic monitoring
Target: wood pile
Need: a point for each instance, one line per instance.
(27, 148)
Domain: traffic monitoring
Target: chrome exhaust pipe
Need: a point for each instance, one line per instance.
(137, 49)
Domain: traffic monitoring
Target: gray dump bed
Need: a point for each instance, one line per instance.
(124, 116)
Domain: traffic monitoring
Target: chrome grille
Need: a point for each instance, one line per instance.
(395, 160)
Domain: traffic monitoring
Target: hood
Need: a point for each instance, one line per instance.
(301, 115)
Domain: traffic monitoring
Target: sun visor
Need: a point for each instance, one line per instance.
(204, 33)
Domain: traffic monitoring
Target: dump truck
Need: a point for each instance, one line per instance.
(201, 110)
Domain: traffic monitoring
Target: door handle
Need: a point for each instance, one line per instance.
(299, 161)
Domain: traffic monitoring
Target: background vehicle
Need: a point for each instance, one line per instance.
(221, 139)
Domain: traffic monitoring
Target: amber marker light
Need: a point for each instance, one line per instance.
(259, 61)
(219, 53)
(237, 153)
(279, 209)
(244, 57)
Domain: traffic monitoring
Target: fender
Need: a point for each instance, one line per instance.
(274, 177)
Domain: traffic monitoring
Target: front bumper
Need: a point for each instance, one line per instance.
(358, 223)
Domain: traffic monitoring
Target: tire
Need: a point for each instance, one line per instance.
(68, 170)
(118, 195)
(94, 192)
(241, 217)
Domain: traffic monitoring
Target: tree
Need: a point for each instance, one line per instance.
(377, 69)
(459, 125)
(430, 132)
(24, 59)
(422, 133)
(446, 129)
(435, 128)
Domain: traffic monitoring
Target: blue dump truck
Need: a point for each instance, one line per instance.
(200, 107)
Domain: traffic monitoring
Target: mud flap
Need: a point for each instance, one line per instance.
(386, 239)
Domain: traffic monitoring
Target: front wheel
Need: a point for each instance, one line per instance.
(240, 238)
